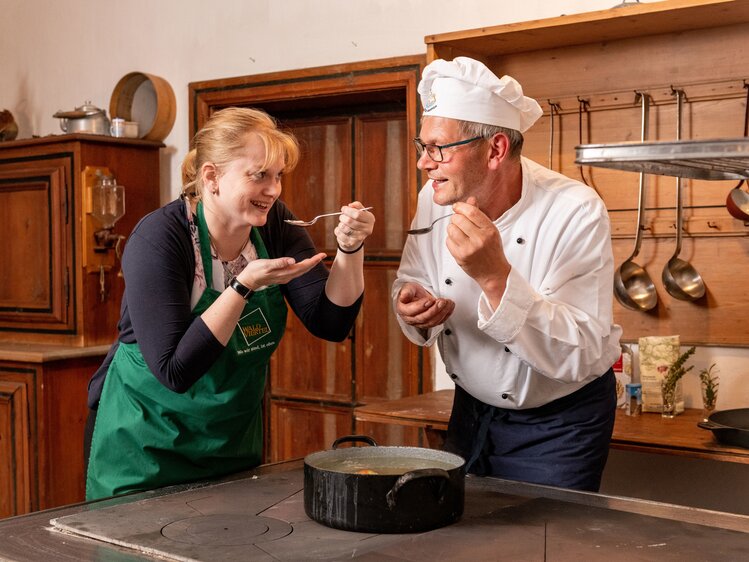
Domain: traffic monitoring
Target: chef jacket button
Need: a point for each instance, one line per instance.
(507, 349)
(453, 376)
(504, 396)
(448, 281)
(448, 332)
(520, 241)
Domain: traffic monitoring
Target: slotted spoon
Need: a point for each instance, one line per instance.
(310, 222)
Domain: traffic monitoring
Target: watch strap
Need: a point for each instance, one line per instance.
(244, 291)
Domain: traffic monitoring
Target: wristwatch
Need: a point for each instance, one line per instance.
(244, 291)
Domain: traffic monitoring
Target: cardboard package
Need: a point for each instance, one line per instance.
(623, 373)
(657, 354)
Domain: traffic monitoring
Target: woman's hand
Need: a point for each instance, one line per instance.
(354, 225)
(263, 272)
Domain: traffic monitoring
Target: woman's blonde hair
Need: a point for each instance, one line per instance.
(224, 137)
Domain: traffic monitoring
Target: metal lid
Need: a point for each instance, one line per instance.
(718, 159)
(85, 110)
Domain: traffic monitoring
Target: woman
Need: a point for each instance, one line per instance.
(207, 278)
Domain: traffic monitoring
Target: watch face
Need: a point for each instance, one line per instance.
(239, 288)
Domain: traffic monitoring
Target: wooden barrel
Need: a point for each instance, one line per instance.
(164, 102)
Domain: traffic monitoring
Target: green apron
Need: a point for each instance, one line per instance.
(147, 436)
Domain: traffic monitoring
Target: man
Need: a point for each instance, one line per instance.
(516, 287)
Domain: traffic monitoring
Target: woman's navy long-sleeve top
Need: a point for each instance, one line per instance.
(159, 267)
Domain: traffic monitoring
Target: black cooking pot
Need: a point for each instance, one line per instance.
(383, 489)
(730, 427)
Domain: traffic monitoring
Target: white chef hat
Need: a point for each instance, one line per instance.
(466, 89)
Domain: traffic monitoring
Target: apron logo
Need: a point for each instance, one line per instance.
(253, 327)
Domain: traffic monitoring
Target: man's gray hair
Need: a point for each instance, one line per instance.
(470, 129)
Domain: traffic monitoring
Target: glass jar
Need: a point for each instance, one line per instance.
(668, 393)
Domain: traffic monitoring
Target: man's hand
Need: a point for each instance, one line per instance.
(419, 308)
(474, 242)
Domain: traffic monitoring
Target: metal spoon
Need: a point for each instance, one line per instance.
(681, 279)
(427, 228)
(633, 287)
(310, 222)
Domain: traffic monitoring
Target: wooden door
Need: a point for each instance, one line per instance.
(354, 123)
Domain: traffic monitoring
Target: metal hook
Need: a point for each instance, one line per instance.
(583, 107)
(678, 91)
(553, 107)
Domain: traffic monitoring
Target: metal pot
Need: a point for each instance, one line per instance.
(383, 489)
(84, 119)
(730, 427)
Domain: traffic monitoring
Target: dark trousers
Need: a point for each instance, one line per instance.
(564, 443)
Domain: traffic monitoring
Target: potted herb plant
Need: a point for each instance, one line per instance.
(668, 386)
(709, 384)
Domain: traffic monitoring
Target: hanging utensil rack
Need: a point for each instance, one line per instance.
(719, 159)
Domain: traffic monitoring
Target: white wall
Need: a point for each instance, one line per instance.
(57, 54)
(732, 367)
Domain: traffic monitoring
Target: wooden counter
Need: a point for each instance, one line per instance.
(647, 433)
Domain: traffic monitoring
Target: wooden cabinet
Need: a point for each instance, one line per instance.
(60, 301)
(42, 416)
(58, 286)
(590, 65)
(354, 123)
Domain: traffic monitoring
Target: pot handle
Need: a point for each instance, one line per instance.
(415, 475)
(708, 425)
(354, 439)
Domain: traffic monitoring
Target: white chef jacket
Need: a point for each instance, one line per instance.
(553, 331)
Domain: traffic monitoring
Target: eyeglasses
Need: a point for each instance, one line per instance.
(434, 151)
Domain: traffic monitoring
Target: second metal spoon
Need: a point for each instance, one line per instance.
(427, 228)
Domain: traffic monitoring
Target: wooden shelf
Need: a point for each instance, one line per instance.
(671, 16)
(648, 433)
(42, 353)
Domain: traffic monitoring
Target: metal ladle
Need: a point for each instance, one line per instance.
(737, 201)
(680, 278)
(633, 287)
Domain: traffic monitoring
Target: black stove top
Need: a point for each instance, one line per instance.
(261, 517)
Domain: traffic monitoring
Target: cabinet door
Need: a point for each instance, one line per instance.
(381, 179)
(321, 183)
(385, 365)
(17, 441)
(305, 366)
(36, 230)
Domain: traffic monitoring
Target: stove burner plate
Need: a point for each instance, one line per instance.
(226, 530)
